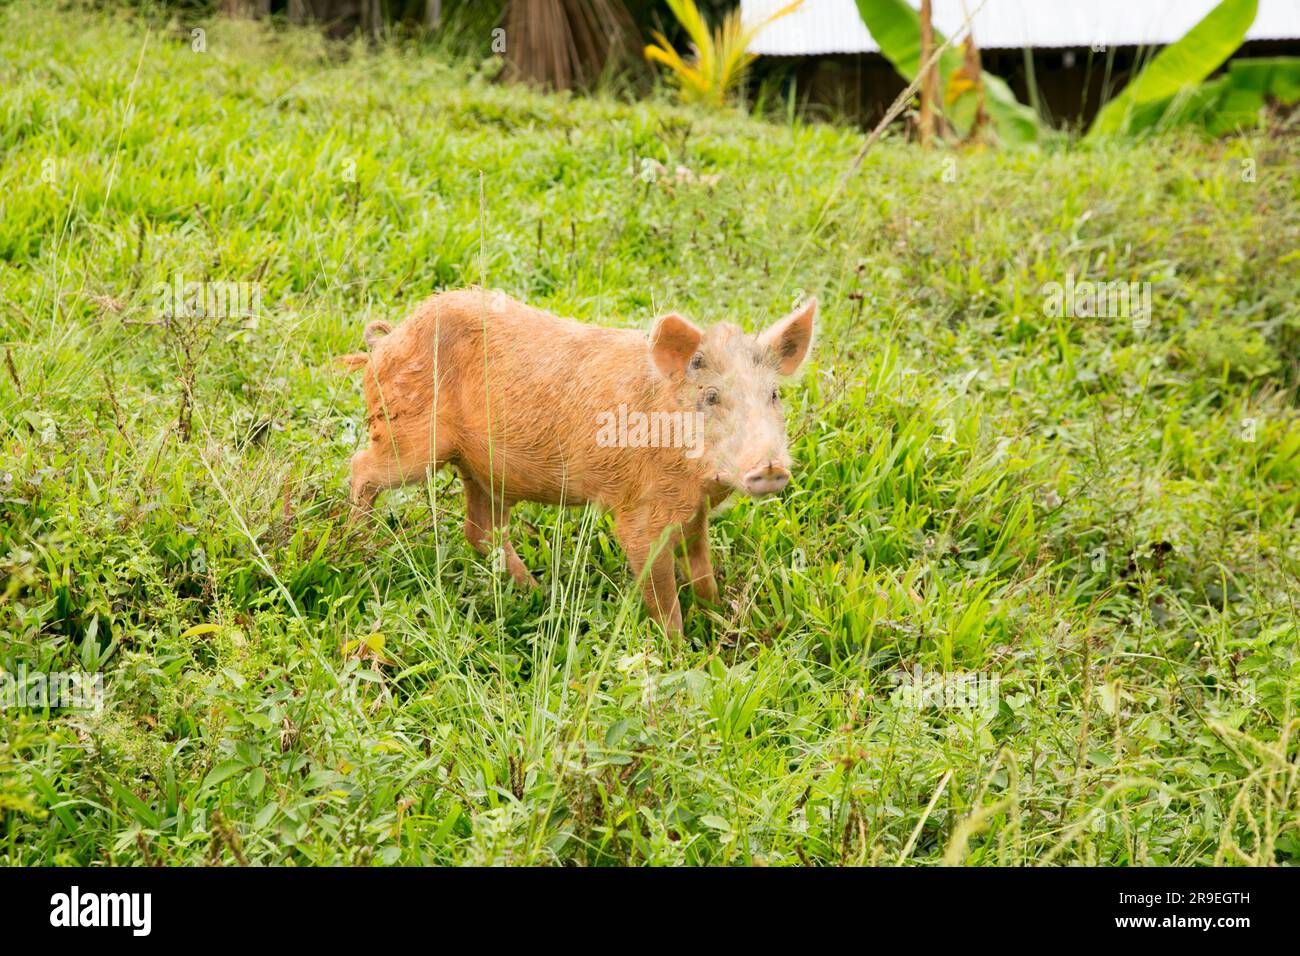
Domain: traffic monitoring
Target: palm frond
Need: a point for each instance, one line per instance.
(720, 56)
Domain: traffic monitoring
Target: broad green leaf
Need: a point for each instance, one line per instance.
(1178, 68)
(896, 26)
(616, 732)
(198, 629)
(264, 816)
(256, 781)
(1249, 86)
(222, 772)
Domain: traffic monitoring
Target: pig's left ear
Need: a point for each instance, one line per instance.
(788, 340)
(673, 341)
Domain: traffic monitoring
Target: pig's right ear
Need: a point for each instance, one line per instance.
(673, 341)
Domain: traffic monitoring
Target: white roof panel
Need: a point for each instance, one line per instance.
(833, 26)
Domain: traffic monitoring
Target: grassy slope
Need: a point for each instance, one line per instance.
(1058, 502)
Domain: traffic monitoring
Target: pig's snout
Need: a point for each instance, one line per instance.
(766, 479)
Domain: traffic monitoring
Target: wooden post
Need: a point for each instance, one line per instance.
(929, 78)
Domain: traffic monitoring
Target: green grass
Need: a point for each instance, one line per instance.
(1104, 521)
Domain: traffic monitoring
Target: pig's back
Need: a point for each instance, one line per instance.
(524, 401)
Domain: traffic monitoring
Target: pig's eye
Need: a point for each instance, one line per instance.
(697, 360)
(776, 396)
(711, 396)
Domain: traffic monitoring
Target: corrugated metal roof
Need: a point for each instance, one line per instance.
(833, 26)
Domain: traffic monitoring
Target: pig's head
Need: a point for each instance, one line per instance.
(733, 381)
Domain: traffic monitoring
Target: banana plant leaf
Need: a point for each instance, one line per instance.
(896, 26)
(1237, 99)
(1171, 79)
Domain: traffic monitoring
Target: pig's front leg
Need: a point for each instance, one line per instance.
(650, 542)
(697, 555)
(484, 519)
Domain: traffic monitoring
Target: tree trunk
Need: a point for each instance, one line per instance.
(566, 44)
